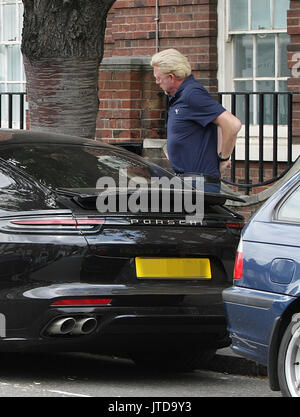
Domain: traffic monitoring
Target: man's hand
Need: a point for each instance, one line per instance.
(223, 166)
(228, 128)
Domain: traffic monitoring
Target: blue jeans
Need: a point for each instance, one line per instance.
(198, 181)
(210, 187)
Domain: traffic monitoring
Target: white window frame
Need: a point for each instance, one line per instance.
(229, 38)
(226, 81)
(7, 43)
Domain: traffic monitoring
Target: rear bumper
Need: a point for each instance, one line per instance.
(120, 333)
(184, 324)
(251, 315)
(153, 330)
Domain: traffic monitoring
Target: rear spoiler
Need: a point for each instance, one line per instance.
(88, 196)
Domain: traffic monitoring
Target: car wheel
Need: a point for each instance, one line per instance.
(289, 359)
(180, 361)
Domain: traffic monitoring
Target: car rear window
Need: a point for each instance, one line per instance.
(16, 193)
(73, 166)
(289, 210)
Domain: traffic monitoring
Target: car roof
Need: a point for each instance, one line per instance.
(15, 136)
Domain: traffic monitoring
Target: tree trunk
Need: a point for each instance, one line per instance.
(62, 46)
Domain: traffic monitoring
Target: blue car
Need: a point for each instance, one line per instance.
(263, 305)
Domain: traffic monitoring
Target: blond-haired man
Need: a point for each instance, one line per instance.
(193, 121)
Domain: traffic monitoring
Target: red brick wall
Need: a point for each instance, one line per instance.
(293, 22)
(132, 107)
(188, 25)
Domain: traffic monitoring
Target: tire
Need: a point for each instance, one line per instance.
(178, 361)
(289, 359)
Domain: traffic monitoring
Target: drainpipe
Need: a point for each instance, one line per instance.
(157, 25)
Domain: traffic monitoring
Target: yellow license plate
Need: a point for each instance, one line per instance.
(183, 268)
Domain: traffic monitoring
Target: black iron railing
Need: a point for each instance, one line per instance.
(255, 108)
(12, 110)
(261, 108)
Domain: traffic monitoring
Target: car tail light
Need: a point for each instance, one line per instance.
(51, 222)
(238, 266)
(235, 226)
(81, 302)
(54, 225)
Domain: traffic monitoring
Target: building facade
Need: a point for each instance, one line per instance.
(234, 46)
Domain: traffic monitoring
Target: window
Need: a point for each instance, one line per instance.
(290, 208)
(51, 166)
(259, 38)
(253, 57)
(12, 77)
(17, 193)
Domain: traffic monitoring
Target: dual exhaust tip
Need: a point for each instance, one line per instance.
(72, 326)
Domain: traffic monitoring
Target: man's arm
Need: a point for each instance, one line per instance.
(228, 128)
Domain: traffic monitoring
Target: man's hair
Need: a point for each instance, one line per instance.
(171, 61)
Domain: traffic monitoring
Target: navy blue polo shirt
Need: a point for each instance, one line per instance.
(192, 137)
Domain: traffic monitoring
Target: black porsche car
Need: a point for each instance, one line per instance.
(75, 276)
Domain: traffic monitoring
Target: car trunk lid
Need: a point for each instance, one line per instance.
(157, 246)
